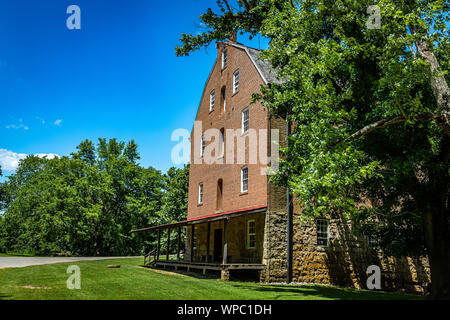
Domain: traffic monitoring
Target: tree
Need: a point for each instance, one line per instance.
(175, 199)
(370, 110)
(85, 204)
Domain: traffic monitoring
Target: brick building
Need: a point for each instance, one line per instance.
(238, 220)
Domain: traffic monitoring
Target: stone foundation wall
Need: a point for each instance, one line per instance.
(343, 262)
(274, 248)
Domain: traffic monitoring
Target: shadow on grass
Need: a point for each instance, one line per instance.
(194, 274)
(329, 292)
(4, 296)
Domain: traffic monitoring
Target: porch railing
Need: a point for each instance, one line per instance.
(151, 257)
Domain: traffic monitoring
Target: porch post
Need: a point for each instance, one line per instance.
(168, 244)
(192, 242)
(158, 245)
(225, 241)
(207, 241)
(178, 243)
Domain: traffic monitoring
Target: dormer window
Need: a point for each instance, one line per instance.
(224, 57)
(212, 100)
(235, 81)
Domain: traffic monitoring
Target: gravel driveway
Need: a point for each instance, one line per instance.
(20, 262)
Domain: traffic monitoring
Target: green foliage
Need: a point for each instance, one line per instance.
(85, 204)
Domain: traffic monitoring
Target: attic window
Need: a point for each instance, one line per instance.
(224, 57)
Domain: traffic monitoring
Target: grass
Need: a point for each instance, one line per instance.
(130, 281)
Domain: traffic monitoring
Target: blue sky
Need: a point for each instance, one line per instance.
(117, 77)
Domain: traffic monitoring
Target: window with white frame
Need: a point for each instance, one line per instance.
(244, 179)
(200, 193)
(224, 99)
(203, 146)
(245, 120)
(224, 57)
(251, 234)
(322, 232)
(236, 81)
(212, 100)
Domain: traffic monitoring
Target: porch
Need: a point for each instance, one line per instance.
(223, 242)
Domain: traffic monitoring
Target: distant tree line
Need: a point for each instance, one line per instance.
(87, 203)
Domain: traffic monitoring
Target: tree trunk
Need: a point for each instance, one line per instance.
(438, 84)
(438, 245)
(99, 246)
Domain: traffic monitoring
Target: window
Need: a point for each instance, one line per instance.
(251, 234)
(200, 193)
(203, 144)
(245, 120)
(224, 57)
(322, 232)
(244, 179)
(219, 195)
(236, 81)
(212, 100)
(222, 143)
(224, 99)
(373, 242)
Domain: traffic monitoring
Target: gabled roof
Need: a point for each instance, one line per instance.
(264, 67)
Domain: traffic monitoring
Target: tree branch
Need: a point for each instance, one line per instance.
(387, 122)
(228, 6)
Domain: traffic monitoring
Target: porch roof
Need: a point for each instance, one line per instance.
(208, 218)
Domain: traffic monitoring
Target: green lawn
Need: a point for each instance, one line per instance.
(133, 282)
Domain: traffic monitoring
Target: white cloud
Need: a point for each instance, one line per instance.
(41, 120)
(57, 122)
(20, 125)
(46, 155)
(9, 160)
(17, 126)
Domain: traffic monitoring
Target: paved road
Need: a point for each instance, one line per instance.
(20, 262)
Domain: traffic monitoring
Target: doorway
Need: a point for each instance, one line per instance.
(217, 245)
(219, 196)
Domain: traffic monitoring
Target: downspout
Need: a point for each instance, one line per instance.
(269, 202)
(289, 216)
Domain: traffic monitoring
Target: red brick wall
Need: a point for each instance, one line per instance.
(209, 174)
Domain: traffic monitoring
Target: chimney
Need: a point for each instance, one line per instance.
(233, 37)
(219, 47)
